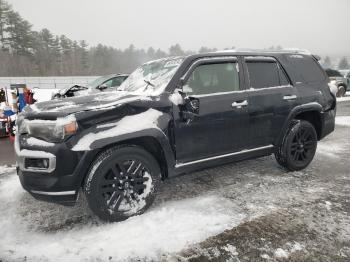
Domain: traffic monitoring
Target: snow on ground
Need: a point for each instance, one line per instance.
(167, 228)
(332, 150)
(337, 147)
(342, 120)
(282, 253)
(344, 98)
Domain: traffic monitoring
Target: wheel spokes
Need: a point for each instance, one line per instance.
(123, 184)
(114, 201)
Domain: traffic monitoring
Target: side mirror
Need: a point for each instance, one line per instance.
(192, 104)
(102, 87)
(190, 109)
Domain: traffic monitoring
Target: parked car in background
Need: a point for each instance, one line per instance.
(346, 74)
(102, 83)
(338, 80)
(173, 116)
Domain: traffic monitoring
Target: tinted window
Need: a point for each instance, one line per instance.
(265, 74)
(213, 78)
(108, 83)
(118, 81)
(307, 67)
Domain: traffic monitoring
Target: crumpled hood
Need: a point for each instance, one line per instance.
(85, 103)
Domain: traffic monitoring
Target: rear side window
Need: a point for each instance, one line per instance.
(265, 73)
(307, 67)
(213, 78)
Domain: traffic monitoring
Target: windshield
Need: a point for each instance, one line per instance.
(97, 82)
(151, 78)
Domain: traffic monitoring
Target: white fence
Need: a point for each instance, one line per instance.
(53, 82)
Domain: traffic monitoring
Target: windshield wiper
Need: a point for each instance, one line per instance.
(148, 83)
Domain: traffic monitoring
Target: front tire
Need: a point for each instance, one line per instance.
(122, 182)
(298, 147)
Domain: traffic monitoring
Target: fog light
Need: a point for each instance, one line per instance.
(37, 163)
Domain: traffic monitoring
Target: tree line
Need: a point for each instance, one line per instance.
(25, 52)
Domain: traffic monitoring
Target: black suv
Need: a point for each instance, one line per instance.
(173, 116)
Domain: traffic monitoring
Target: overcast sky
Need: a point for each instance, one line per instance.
(322, 26)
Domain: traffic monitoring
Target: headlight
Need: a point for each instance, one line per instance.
(52, 131)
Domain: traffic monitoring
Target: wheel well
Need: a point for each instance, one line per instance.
(151, 145)
(314, 118)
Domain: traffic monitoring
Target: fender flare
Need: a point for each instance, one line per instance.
(154, 133)
(313, 106)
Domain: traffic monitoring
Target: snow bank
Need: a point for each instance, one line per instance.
(344, 98)
(165, 229)
(128, 124)
(342, 120)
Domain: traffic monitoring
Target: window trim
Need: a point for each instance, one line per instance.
(268, 59)
(214, 60)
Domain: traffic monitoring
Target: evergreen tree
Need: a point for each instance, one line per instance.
(84, 57)
(176, 50)
(327, 63)
(343, 63)
(4, 10)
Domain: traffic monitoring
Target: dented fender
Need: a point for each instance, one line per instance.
(148, 124)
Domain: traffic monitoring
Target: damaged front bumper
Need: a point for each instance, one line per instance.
(52, 174)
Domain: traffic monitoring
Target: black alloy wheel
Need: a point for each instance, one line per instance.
(303, 145)
(122, 183)
(298, 147)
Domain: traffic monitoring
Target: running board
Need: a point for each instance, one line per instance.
(179, 165)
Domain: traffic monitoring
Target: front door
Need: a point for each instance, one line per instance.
(221, 125)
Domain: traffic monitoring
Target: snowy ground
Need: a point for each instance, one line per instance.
(247, 211)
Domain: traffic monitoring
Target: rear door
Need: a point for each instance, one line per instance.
(271, 98)
(222, 122)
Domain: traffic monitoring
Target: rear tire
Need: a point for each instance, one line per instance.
(341, 91)
(122, 182)
(298, 147)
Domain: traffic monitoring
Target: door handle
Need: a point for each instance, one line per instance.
(239, 104)
(290, 97)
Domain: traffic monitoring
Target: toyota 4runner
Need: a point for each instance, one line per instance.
(173, 116)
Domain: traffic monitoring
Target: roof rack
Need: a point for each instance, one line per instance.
(284, 50)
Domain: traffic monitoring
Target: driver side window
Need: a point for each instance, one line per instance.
(108, 83)
(213, 78)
